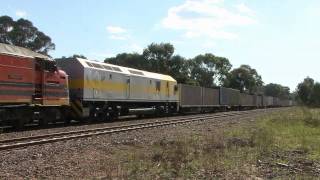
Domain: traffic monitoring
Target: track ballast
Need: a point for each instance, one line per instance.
(22, 142)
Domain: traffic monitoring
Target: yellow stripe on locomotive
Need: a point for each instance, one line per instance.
(95, 81)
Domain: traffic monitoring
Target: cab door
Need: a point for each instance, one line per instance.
(48, 90)
(128, 84)
(39, 81)
(52, 89)
(167, 90)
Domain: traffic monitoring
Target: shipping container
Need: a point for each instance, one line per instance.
(258, 100)
(190, 96)
(247, 100)
(267, 101)
(210, 97)
(276, 101)
(229, 97)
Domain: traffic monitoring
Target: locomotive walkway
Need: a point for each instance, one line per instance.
(22, 142)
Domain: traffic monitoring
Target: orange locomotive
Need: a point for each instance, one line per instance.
(31, 87)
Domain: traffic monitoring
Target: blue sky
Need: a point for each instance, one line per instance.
(280, 38)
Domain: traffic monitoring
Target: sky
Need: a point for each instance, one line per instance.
(279, 38)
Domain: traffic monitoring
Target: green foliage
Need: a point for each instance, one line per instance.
(22, 33)
(154, 59)
(79, 56)
(277, 90)
(133, 60)
(209, 70)
(308, 92)
(205, 70)
(159, 55)
(296, 130)
(244, 78)
(179, 69)
(315, 95)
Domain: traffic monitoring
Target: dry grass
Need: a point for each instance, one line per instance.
(239, 152)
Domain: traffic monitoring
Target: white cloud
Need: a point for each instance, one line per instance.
(117, 33)
(244, 9)
(21, 14)
(116, 30)
(206, 18)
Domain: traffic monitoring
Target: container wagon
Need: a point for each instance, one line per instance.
(229, 98)
(247, 101)
(199, 99)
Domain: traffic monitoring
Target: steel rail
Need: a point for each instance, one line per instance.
(62, 136)
(105, 128)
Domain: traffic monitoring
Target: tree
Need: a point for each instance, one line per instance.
(132, 60)
(79, 56)
(244, 78)
(158, 55)
(178, 68)
(315, 95)
(277, 90)
(305, 91)
(22, 33)
(209, 70)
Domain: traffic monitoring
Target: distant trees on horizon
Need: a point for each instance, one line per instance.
(206, 69)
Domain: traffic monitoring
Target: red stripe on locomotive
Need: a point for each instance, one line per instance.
(29, 80)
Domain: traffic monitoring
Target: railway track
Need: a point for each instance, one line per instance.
(21, 142)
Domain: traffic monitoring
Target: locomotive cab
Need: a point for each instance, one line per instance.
(52, 84)
(31, 87)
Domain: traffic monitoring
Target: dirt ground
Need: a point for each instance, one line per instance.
(98, 157)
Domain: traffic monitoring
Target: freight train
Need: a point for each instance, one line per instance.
(35, 88)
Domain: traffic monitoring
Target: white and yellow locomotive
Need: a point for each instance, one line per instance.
(104, 90)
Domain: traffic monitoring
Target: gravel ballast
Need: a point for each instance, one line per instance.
(92, 157)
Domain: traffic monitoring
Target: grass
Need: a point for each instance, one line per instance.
(298, 129)
(243, 151)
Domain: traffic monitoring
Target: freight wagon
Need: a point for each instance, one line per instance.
(196, 98)
(267, 101)
(258, 101)
(35, 88)
(247, 101)
(229, 98)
